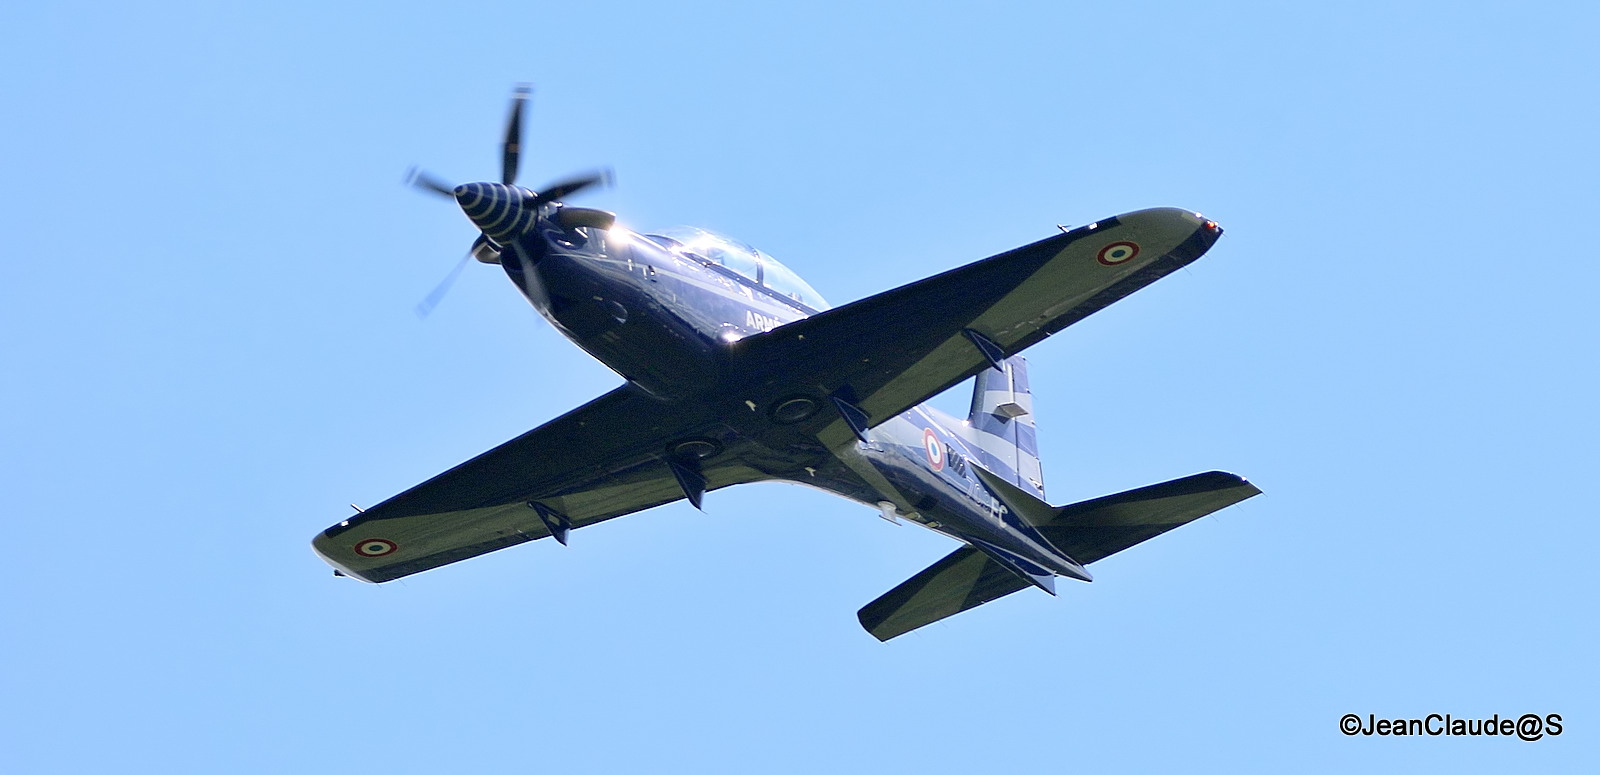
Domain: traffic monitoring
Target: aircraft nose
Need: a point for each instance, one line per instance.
(495, 208)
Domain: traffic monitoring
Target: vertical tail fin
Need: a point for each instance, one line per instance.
(1002, 417)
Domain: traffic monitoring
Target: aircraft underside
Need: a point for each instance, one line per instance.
(736, 371)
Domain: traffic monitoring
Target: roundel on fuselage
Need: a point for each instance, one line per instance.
(933, 449)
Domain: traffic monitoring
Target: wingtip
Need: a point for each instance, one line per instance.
(874, 626)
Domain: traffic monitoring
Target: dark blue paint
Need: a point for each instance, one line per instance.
(668, 319)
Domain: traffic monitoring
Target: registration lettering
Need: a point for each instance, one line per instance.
(760, 322)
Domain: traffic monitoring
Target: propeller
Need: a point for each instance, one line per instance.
(511, 159)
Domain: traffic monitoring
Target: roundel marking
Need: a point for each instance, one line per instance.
(1118, 253)
(933, 449)
(375, 547)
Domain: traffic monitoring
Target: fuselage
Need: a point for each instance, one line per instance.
(666, 311)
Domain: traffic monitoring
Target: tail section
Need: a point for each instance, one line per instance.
(1035, 514)
(1087, 531)
(1002, 421)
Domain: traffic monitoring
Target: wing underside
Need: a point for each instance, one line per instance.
(880, 356)
(603, 460)
(889, 352)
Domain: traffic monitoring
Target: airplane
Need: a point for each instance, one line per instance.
(735, 370)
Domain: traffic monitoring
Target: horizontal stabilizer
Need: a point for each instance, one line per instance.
(1096, 529)
(1087, 531)
(967, 578)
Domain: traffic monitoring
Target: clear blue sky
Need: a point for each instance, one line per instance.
(209, 351)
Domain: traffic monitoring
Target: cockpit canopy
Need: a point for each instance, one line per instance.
(739, 257)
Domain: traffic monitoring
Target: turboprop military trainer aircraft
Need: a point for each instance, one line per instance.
(737, 371)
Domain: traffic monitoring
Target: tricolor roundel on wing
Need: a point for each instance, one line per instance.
(1118, 253)
(376, 547)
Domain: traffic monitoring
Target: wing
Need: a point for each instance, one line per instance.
(889, 352)
(605, 459)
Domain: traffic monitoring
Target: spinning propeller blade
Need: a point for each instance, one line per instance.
(429, 183)
(425, 307)
(556, 192)
(513, 147)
